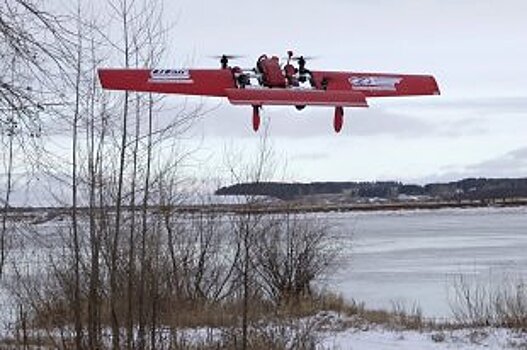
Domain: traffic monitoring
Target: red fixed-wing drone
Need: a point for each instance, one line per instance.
(269, 83)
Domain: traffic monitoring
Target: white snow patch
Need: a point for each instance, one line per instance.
(380, 337)
(383, 339)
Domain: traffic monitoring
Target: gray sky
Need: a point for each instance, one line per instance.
(476, 49)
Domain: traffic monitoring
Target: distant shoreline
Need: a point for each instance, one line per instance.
(44, 214)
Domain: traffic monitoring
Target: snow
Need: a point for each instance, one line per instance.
(380, 338)
(333, 331)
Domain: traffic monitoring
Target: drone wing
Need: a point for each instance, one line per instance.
(295, 97)
(379, 84)
(206, 82)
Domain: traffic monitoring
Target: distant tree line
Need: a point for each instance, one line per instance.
(466, 189)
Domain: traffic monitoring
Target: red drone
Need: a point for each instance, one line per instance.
(269, 83)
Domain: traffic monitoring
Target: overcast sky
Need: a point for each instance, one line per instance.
(476, 49)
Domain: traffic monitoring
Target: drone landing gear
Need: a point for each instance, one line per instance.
(256, 118)
(338, 119)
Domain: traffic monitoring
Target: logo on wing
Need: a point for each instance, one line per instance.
(170, 76)
(374, 83)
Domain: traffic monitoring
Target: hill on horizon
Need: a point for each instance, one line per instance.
(469, 188)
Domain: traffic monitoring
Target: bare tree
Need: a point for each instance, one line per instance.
(33, 43)
(76, 245)
(94, 142)
(293, 252)
(249, 224)
(114, 288)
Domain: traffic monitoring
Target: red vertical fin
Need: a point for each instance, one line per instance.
(338, 121)
(256, 118)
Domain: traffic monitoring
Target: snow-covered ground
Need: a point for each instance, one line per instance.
(366, 336)
(378, 338)
(336, 332)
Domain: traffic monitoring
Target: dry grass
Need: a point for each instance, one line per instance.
(399, 317)
(478, 305)
(290, 326)
(274, 326)
(200, 313)
(287, 326)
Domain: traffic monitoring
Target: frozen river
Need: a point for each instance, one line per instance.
(415, 257)
(405, 257)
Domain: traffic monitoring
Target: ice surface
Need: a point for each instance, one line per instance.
(414, 257)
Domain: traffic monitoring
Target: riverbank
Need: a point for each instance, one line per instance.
(43, 214)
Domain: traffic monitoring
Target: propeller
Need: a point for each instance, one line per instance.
(305, 58)
(302, 60)
(229, 57)
(224, 59)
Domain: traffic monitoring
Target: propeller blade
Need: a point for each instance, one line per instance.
(229, 57)
(306, 58)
